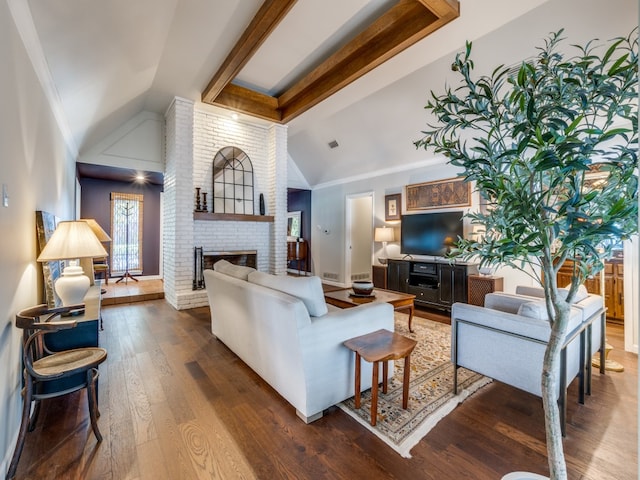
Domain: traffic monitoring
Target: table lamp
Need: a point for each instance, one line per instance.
(383, 235)
(87, 263)
(70, 241)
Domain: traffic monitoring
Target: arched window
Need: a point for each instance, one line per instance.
(232, 182)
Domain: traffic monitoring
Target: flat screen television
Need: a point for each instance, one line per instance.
(430, 233)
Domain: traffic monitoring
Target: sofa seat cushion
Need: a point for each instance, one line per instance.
(307, 289)
(237, 271)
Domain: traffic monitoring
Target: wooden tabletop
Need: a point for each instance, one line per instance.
(381, 345)
(343, 298)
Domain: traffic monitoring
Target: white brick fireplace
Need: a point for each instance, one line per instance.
(194, 133)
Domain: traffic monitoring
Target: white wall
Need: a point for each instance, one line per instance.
(137, 144)
(39, 175)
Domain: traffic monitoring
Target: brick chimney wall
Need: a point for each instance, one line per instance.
(194, 134)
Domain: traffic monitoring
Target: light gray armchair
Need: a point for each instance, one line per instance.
(506, 340)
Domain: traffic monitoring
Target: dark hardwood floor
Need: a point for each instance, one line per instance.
(177, 404)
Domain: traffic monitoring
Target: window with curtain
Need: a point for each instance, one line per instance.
(126, 233)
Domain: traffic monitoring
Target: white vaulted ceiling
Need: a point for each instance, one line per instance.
(104, 62)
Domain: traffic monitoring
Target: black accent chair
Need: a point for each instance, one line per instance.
(44, 369)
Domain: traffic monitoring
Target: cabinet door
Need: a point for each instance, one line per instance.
(618, 292)
(459, 284)
(398, 276)
(446, 284)
(563, 278)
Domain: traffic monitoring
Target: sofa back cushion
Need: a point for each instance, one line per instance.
(307, 289)
(236, 271)
(581, 294)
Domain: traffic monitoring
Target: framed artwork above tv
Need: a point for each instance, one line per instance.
(451, 192)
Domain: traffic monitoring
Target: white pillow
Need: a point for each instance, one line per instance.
(307, 289)
(537, 310)
(581, 293)
(237, 271)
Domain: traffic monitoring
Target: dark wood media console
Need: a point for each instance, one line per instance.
(435, 283)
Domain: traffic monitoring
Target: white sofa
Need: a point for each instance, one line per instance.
(506, 340)
(293, 340)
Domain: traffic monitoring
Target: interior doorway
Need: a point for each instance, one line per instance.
(359, 237)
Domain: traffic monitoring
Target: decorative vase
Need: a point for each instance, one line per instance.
(261, 204)
(362, 287)
(486, 271)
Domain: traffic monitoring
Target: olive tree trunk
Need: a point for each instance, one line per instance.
(550, 382)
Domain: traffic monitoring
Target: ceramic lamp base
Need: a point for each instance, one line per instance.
(72, 286)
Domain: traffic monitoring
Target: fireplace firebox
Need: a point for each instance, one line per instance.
(203, 260)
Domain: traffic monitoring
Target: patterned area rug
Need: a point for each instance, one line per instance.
(431, 395)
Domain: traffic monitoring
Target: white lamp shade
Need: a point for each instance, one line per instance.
(97, 230)
(383, 235)
(72, 240)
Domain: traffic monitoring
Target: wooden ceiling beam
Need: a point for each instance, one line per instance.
(266, 20)
(442, 8)
(245, 100)
(401, 26)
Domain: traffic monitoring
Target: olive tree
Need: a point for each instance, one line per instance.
(551, 145)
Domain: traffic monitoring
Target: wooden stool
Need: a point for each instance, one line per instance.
(376, 347)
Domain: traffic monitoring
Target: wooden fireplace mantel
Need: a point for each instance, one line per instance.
(232, 217)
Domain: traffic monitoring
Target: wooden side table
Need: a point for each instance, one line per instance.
(379, 276)
(479, 285)
(381, 346)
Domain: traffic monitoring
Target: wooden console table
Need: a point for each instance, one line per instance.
(297, 252)
(379, 276)
(85, 334)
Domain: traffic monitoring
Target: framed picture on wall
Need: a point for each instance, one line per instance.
(451, 192)
(392, 206)
(45, 226)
